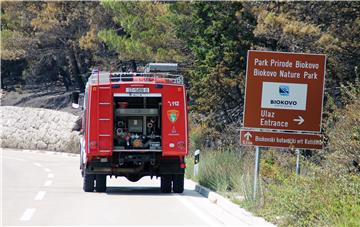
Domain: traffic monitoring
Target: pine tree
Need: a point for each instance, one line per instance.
(146, 34)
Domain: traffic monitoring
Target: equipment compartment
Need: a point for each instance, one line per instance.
(137, 123)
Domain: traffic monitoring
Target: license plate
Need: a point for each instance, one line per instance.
(137, 90)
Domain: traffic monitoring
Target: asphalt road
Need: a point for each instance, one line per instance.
(41, 188)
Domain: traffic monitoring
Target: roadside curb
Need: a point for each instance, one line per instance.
(228, 206)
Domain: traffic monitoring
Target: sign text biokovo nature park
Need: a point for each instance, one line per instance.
(284, 91)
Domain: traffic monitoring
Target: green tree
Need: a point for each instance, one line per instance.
(146, 33)
(16, 35)
(218, 36)
(53, 37)
(331, 28)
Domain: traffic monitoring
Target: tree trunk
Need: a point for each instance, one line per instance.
(81, 63)
(75, 69)
(227, 115)
(66, 79)
(240, 96)
(2, 81)
(133, 66)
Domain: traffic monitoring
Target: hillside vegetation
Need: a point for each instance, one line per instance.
(55, 44)
(325, 194)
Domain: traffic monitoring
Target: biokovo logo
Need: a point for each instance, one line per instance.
(284, 90)
(290, 96)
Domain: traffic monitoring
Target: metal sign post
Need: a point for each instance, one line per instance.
(298, 162)
(256, 171)
(196, 162)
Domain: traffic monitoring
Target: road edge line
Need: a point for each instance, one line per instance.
(199, 213)
(224, 203)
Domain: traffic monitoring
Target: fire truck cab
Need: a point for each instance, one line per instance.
(134, 125)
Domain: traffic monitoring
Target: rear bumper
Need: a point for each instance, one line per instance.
(162, 166)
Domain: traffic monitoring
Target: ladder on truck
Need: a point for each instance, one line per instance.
(104, 115)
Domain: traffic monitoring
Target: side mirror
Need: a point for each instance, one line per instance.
(75, 99)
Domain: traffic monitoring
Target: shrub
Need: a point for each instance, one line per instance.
(189, 171)
(344, 140)
(320, 200)
(218, 169)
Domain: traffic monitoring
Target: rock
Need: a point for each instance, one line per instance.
(41, 145)
(36, 128)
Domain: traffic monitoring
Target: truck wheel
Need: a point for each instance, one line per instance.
(88, 185)
(100, 185)
(178, 183)
(165, 183)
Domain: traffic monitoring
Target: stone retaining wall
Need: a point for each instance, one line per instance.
(36, 128)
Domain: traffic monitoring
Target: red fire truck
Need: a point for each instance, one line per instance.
(134, 125)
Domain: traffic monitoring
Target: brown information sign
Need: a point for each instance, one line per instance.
(282, 140)
(284, 91)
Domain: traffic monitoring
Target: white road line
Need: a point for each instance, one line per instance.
(27, 214)
(205, 218)
(50, 175)
(37, 164)
(48, 183)
(40, 195)
(47, 170)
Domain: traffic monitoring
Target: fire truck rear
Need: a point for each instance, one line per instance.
(134, 125)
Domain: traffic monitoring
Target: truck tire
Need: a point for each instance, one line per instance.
(88, 185)
(100, 185)
(178, 183)
(165, 183)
